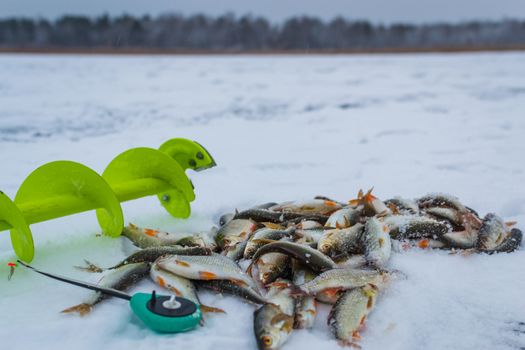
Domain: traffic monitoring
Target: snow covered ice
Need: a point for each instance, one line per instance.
(280, 128)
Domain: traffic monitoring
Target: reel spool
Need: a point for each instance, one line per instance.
(63, 188)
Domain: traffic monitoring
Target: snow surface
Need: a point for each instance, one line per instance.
(280, 128)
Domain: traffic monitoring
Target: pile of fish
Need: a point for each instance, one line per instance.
(301, 253)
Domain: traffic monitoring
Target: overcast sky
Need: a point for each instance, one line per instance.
(277, 10)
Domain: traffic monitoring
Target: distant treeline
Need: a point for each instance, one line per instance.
(230, 33)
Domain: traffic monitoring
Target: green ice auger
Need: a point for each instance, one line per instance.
(62, 188)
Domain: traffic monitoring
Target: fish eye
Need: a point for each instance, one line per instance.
(192, 163)
(200, 155)
(267, 340)
(266, 275)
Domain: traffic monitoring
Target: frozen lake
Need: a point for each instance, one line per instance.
(280, 128)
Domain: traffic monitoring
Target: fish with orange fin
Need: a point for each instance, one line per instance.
(308, 207)
(120, 278)
(273, 322)
(261, 236)
(377, 242)
(337, 242)
(348, 315)
(416, 227)
(148, 255)
(497, 236)
(309, 256)
(336, 280)
(344, 218)
(211, 267)
(370, 204)
(272, 266)
(147, 237)
(233, 236)
(180, 286)
(306, 306)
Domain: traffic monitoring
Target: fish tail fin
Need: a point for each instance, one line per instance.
(208, 309)
(82, 309)
(90, 267)
(369, 197)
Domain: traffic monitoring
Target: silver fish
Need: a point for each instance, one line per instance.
(260, 237)
(271, 326)
(272, 266)
(120, 278)
(343, 218)
(235, 231)
(311, 257)
(377, 242)
(337, 242)
(147, 238)
(341, 279)
(349, 313)
(236, 250)
(415, 227)
(306, 306)
(273, 322)
(148, 255)
(309, 207)
(492, 233)
(211, 267)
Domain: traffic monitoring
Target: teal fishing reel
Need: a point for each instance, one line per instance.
(166, 314)
(161, 313)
